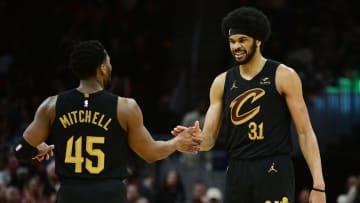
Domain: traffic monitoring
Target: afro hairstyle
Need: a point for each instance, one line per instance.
(249, 21)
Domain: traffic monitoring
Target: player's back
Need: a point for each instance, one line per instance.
(91, 147)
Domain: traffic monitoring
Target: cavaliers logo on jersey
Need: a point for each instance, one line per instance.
(250, 95)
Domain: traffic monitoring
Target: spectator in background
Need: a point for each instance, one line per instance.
(147, 187)
(33, 191)
(13, 195)
(2, 193)
(133, 196)
(196, 114)
(5, 176)
(53, 180)
(51, 175)
(352, 194)
(199, 192)
(172, 189)
(214, 195)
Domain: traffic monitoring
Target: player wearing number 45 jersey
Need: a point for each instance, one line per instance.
(258, 97)
(92, 130)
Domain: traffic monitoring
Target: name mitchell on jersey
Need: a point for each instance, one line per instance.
(85, 116)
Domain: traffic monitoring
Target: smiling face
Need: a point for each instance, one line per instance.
(242, 47)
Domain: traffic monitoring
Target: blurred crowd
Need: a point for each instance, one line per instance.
(320, 39)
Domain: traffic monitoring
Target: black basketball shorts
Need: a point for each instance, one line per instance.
(267, 180)
(92, 191)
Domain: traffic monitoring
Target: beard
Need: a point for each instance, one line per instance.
(249, 54)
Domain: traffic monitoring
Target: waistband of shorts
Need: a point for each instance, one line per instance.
(262, 158)
(90, 180)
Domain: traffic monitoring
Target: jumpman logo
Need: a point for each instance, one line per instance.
(272, 168)
(233, 85)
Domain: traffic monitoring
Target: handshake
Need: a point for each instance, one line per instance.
(188, 139)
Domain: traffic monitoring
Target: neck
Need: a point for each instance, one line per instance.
(90, 86)
(253, 67)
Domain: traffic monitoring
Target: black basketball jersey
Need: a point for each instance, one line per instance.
(89, 141)
(257, 120)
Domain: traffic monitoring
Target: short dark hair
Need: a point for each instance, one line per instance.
(249, 21)
(86, 57)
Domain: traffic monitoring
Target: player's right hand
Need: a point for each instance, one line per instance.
(45, 152)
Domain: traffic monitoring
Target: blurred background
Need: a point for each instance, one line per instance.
(165, 55)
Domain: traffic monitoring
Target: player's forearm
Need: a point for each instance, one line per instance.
(207, 143)
(310, 150)
(162, 149)
(211, 127)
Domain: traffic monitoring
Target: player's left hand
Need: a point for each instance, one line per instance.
(45, 152)
(317, 197)
(195, 129)
(178, 129)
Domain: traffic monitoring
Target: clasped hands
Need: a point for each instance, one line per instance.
(189, 138)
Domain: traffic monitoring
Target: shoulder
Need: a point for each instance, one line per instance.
(128, 112)
(220, 79)
(285, 71)
(127, 102)
(217, 87)
(128, 106)
(47, 108)
(286, 78)
(49, 103)
(221, 76)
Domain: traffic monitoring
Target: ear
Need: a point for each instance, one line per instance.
(102, 69)
(258, 43)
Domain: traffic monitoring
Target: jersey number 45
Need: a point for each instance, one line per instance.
(73, 154)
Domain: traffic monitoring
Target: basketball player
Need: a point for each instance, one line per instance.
(92, 130)
(257, 99)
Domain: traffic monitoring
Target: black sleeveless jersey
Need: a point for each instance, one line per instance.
(89, 141)
(257, 120)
